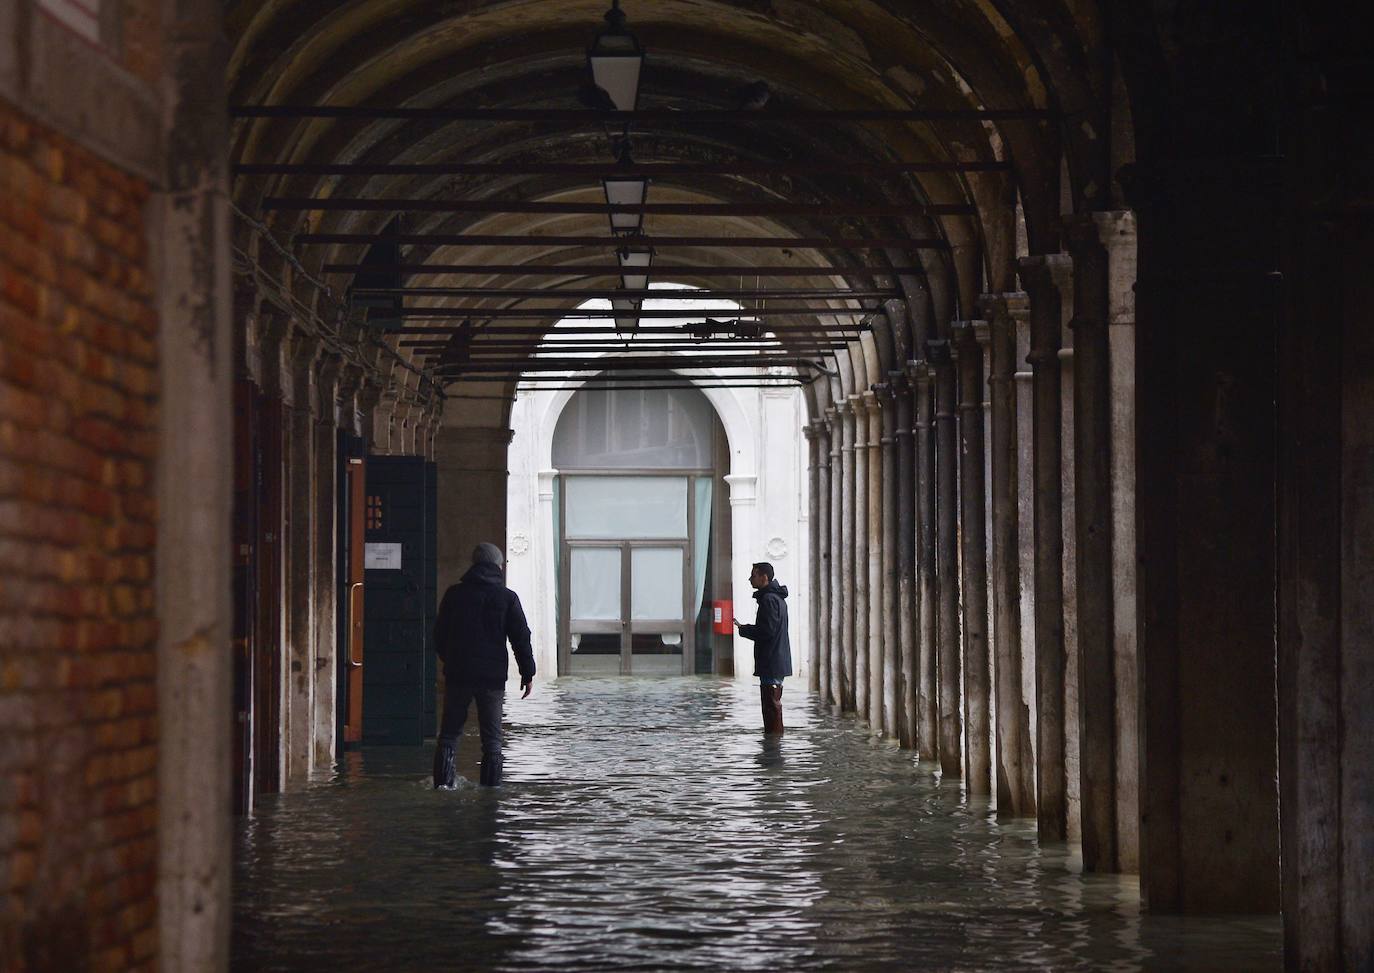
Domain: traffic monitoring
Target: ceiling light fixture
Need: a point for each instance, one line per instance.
(615, 61)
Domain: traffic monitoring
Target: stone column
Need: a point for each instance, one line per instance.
(927, 694)
(813, 542)
(367, 400)
(326, 559)
(1116, 231)
(1093, 547)
(822, 554)
(1025, 512)
(861, 593)
(351, 381)
(1206, 370)
(1326, 556)
(835, 595)
(189, 241)
(1051, 779)
(948, 650)
(909, 664)
(1061, 272)
(888, 557)
(1015, 760)
(383, 414)
(877, 650)
(298, 713)
(973, 538)
(982, 333)
(847, 538)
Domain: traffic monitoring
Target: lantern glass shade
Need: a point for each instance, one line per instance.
(634, 267)
(615, 60)
(627, 191)
(626, 312)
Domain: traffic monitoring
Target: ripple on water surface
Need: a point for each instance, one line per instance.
(647, 824)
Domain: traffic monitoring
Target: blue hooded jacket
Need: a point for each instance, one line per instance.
(772, 648)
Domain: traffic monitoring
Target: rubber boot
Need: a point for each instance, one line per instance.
(491, 772)
(770, 697)
(445, 765)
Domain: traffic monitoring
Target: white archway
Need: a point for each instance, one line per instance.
(766, 485)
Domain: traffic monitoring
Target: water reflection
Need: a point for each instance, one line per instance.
(647, 824)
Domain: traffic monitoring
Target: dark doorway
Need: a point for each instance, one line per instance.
(399, 603)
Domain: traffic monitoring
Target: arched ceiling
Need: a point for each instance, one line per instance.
(1002, 55)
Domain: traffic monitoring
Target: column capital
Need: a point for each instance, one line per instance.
(966, 333)
(1116, 228)
(271, 330)
(327, 376)
(743, 488)
(1009, 304)
(1048, 270)
(301, 351)
(918, 371)
(1080, 230)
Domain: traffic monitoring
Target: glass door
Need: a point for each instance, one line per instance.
(596, 616)
(658, 630)
(626, 575)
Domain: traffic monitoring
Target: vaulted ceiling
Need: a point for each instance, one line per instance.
(1017, 82)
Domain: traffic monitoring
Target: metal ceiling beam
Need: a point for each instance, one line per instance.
(592, 384)
(564, 314)
(403, 204)
(600, 170)
(688, 116)
(614, 243)
(800, 293)
(436, 347)
(639, 363)
(846, 329)
(437, 357)
(612, 270)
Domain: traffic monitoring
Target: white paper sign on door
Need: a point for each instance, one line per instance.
(382, 557)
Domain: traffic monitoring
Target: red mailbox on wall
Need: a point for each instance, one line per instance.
(722, 615)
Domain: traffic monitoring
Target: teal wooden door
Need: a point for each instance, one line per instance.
(398, 672)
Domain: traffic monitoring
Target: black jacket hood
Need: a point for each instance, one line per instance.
(771, 588)
(484, 573)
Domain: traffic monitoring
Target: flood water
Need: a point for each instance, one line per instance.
(647, 824)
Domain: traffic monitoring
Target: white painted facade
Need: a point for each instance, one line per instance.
(766, 485)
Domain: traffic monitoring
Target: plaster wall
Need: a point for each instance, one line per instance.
(765, 485)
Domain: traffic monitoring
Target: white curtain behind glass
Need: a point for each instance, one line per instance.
(626, 507)
(655, 583)
(702, 541)
(630, 428)
(595, 584)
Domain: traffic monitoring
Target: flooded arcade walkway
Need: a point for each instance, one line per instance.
(647, 824)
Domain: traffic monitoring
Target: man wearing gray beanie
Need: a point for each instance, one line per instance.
(477, 616)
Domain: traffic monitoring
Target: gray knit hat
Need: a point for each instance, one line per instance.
(485, 553)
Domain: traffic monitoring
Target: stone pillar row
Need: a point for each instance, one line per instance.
(973, 523)
(319, 394)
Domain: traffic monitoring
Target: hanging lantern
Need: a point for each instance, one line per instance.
(626, 190)
(626, 310)
(615, 60)
(635, 259)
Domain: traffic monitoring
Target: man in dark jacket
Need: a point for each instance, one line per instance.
(772, 648)
(476, 617)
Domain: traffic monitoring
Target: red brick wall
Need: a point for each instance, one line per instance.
(78, 401)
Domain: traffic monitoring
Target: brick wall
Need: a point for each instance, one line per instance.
(78, 400)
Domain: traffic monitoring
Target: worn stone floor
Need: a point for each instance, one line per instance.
(646, 824)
